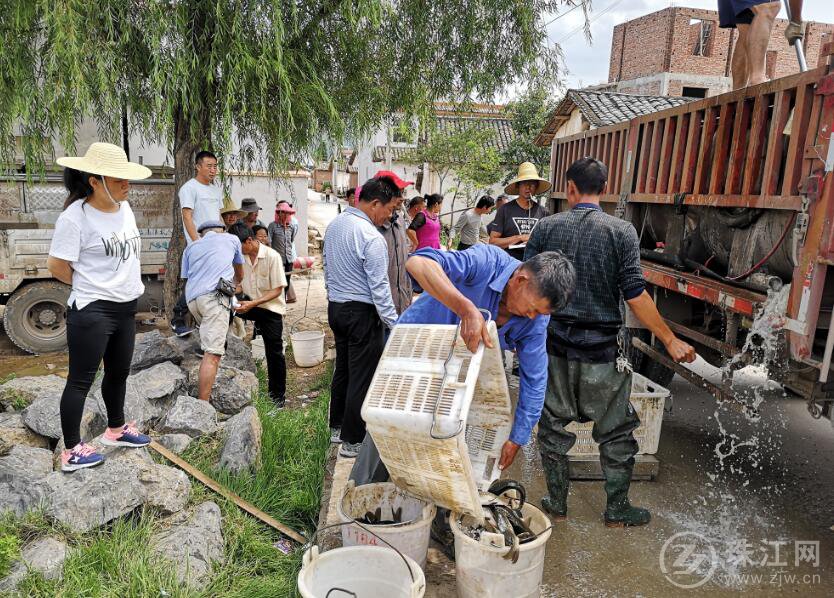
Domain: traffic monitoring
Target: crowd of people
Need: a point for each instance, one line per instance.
(235, 268)
(553, 284)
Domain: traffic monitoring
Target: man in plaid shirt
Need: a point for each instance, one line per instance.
(584, 380)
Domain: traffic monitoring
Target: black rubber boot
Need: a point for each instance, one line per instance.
(441, 532)
(557, 474)
(619, 512)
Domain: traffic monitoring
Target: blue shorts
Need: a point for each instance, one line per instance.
(737, 12)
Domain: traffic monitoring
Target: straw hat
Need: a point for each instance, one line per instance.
(527, 172)
(106, 159)
(229, 206)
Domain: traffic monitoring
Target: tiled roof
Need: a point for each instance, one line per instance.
(602, 108)
(448, 122)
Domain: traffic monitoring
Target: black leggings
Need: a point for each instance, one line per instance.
(102, 330)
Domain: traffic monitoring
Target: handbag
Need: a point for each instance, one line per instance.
(291, 298)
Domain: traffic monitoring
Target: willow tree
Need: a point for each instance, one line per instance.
(266, 79)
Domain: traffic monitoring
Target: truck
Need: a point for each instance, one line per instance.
(733, 200)
(35, 303)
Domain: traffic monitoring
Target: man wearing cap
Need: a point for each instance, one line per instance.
(214, 256)
(200, 201)
(281, 234)
(393, 231)
(251, 208)
(516, 219)
(264, 283)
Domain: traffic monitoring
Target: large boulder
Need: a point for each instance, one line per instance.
(43, 416)
(176, 443)
(242, 448)
(193, 542)
(232, 391)
(149, 394)
(152, 348)
(22, 473)
(18, 393)
(126, 480)
(45, 556)
(238, 355)
(14, 432)
(190, 416)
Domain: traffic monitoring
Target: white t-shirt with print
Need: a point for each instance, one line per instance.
(103, 249)
(205, 201)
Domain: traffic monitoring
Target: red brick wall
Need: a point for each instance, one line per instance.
(664, 41)
(644, 52)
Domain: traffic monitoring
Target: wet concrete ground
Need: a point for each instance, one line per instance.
(774, 491)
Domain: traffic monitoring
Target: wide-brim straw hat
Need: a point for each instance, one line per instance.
(229, 206)
(106, 159)
(527, 172)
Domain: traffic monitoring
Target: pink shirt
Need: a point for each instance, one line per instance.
(428, 235)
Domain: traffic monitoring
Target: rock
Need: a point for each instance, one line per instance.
(152, 348)
(238, 355)
(242, 448)
(190, 416)
(233, 389)
(13, 431)
(46, 556)
(17, 393)
(149, 394)
(43, 416)
(192, 542)
(22, 473)
(176, 443)
(127, 479)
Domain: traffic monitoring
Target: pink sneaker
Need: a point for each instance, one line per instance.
(128, 436)
(80, 456)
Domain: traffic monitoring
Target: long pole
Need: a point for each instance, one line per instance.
(797, 44)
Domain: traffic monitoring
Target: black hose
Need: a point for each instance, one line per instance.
(688, 264)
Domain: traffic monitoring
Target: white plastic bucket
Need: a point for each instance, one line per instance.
(481, 570)
(307, 347)
(371, 571)
(411, 537)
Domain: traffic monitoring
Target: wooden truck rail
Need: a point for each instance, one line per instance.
(767, 147)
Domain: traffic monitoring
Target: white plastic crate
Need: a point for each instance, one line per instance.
(648, 399)
(473, 419)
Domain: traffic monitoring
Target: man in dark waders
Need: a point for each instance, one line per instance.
(586, 379)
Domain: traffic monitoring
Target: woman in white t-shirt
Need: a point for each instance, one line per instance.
(95, 248)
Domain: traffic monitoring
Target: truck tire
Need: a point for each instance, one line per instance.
(645, 365)
(36, 317)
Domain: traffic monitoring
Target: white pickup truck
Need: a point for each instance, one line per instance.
(35, 303)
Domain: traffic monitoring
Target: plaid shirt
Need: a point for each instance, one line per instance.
(605, 252)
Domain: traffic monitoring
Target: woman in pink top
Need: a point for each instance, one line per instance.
(424, 230)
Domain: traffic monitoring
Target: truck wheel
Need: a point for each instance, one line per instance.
(36, 317)
(645, 365)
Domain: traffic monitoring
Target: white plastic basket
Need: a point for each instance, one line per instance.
(648, 400)
(440, 437)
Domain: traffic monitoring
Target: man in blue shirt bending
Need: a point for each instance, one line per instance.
(519, 298)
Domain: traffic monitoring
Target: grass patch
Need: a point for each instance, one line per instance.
(116, 560)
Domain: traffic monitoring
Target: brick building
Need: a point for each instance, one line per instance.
(682, 52)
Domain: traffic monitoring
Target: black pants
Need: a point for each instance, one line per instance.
(180, 311)
(359, 334)
(102, 330)
(287, 271)
(463, 246)
(271, 327)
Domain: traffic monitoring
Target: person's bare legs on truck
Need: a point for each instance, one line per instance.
(754, 34)
(739, 62)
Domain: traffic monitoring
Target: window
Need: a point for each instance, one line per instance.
(694, 92)
(770, 64)
(700, 35)
(403, 132)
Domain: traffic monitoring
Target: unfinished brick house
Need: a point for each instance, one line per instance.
(682, 52)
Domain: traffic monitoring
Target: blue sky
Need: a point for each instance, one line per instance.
(587, 62)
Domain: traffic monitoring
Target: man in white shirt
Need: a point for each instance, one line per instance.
(200, 201)
(263, 284)
(469, 227)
